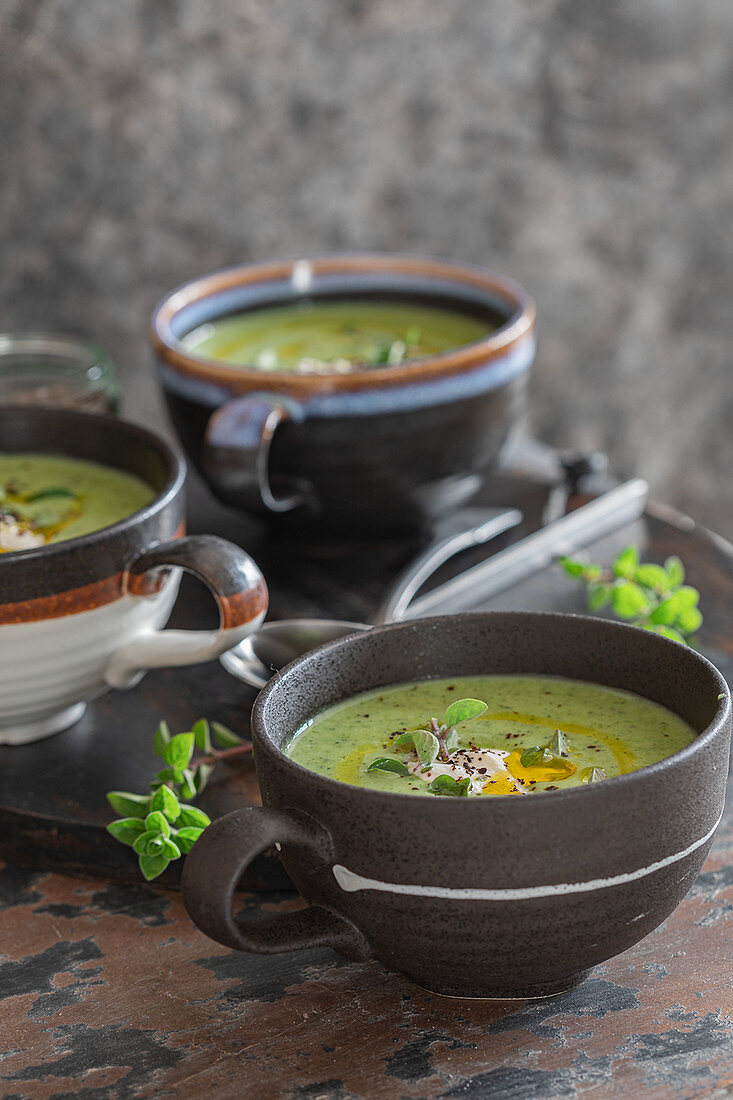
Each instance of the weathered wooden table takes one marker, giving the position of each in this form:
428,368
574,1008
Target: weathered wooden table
108,990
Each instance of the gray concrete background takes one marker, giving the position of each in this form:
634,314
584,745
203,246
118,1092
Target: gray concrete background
584,148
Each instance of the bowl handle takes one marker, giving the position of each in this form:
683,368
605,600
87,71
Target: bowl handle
236,453
235,582
222,853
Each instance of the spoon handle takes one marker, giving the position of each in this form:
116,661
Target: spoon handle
585,524
394,605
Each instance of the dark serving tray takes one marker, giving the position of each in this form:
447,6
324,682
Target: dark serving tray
52,793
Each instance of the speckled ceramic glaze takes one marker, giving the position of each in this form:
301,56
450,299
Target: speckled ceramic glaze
373,451
85,614
492,897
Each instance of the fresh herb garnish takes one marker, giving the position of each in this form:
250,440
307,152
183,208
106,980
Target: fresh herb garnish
653,597
388,764
536,754
52,491
429,745
446,784
157,826
426,745
441,740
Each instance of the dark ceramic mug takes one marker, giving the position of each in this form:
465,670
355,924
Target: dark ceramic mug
489,897
80,616
377,450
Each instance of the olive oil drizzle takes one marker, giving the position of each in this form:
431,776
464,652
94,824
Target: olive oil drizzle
624,759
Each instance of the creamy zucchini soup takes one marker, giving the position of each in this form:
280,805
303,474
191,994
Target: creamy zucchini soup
335,336
487,735
49,498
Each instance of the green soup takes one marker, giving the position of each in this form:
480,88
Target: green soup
334,336
537,733
50,498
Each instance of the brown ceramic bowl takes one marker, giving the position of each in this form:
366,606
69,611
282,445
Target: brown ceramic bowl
485,897
377,451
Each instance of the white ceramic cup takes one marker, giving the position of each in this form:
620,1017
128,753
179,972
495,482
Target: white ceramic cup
81,616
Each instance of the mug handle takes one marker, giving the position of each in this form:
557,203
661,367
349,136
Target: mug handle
216,862
236,454
235,582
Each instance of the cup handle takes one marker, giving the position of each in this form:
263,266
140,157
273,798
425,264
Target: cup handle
236,455
215,864
235,582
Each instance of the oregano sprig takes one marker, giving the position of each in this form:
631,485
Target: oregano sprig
159,826
429,745
653,597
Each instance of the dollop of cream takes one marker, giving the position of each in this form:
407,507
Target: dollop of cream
15,537
483,767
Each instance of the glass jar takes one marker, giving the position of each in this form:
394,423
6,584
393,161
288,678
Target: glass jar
60,371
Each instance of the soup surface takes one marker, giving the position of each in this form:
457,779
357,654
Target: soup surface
537,733
49,498
334,337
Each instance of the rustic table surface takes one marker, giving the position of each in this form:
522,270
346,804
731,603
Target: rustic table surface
108,990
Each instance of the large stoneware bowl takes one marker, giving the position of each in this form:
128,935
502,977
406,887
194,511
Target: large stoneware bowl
374,451
80,616
482,897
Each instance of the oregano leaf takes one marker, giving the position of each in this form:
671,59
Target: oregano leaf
536,754
171,849
52,491
686,596
161,738
126,830
426,746
388,764
652,576
188,784
157,822
665,612
404,741
201,735
463,710
625,563
689,620
192,816
224,737
629,600
141,842
165,801
129,805
201,777
152,866
599,595
179,749
675,571
572,566
448,785
186,838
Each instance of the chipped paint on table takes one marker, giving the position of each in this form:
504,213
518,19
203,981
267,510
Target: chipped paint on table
109,991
